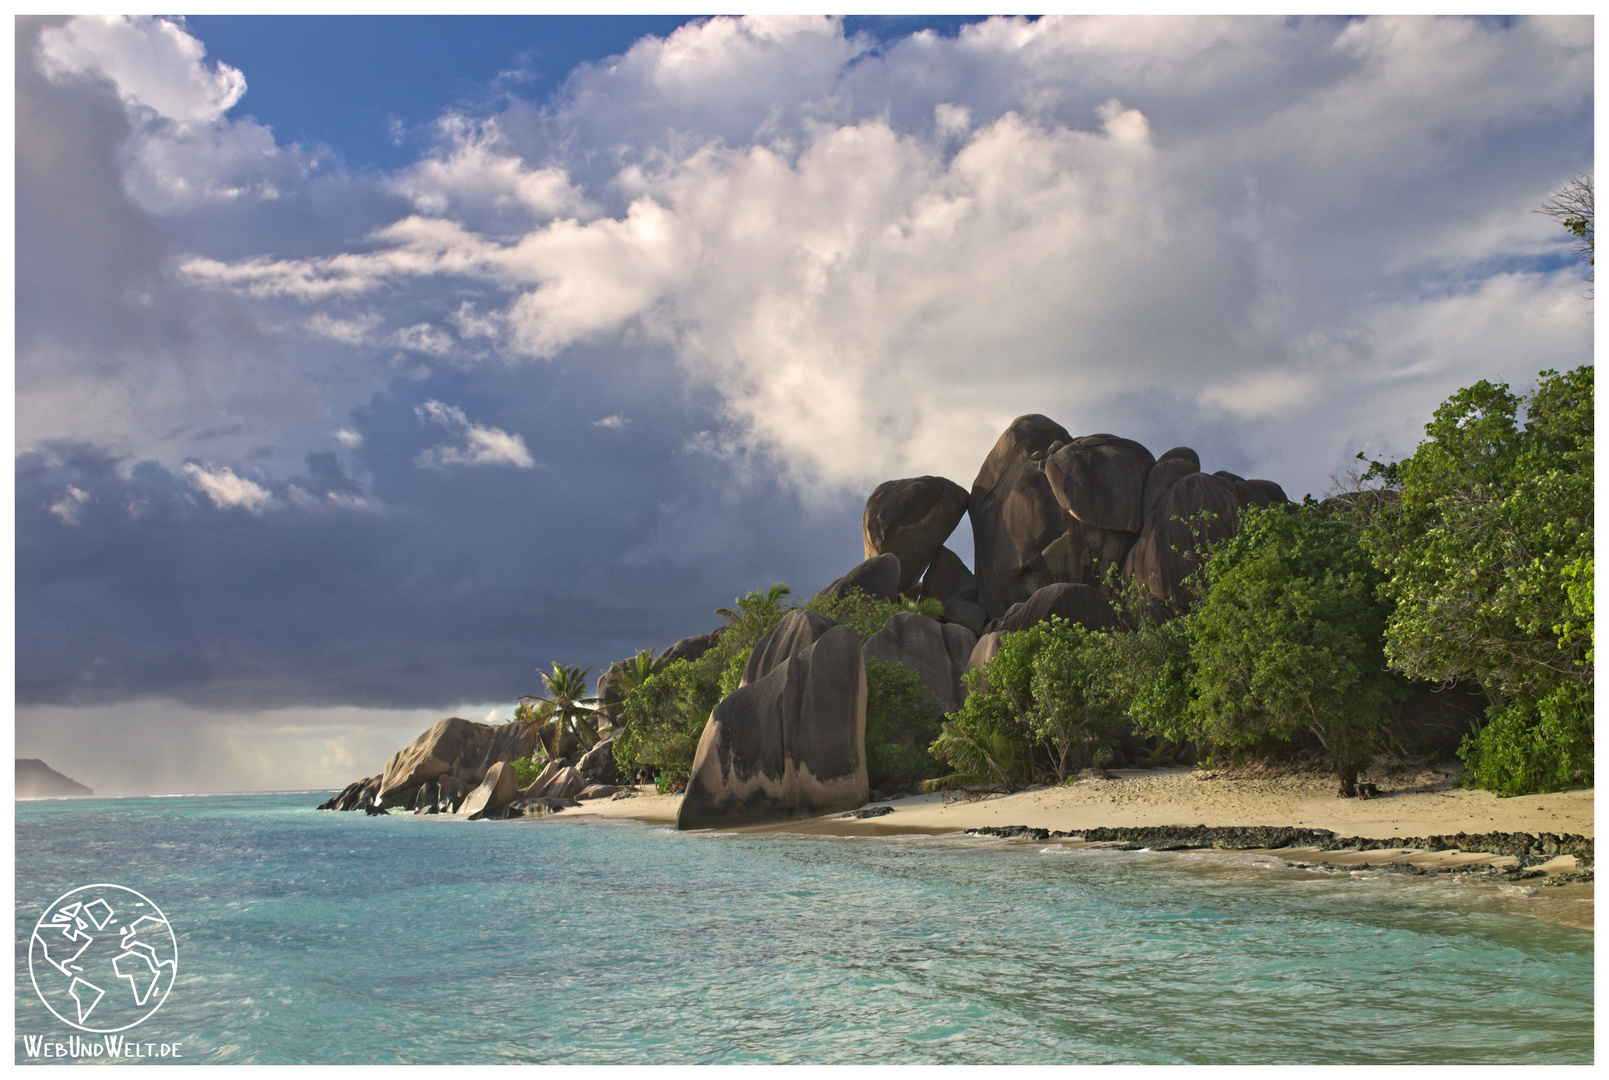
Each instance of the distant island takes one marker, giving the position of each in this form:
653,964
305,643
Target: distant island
36,780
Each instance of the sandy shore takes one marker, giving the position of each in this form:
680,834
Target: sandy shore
1423,804
1411,805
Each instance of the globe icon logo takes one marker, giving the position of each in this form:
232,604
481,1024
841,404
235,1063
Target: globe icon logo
102,958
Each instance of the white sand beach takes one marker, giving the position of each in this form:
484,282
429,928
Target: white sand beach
1412,804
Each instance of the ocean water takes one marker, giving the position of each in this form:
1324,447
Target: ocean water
320,937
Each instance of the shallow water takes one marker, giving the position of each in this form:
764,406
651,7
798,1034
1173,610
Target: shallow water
321,937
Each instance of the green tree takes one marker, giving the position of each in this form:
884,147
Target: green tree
644,665
1147,665
902,720
1290,636
761,605
664,718
565,708
1073,699
1489,559
1043,696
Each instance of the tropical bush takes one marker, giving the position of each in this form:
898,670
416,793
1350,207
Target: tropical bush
902,720
1289,637
527,769
1488,556
664,717
1044,701
865,614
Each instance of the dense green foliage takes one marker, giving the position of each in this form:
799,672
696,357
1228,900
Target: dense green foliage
1044,701
1475,566
866,614
1289,635
1285,638
1488,558
527,769
664,717
902,719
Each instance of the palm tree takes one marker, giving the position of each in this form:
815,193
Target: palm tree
565,704
759,604
643,666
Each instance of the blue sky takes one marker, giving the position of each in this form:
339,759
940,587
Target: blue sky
367,365
393,76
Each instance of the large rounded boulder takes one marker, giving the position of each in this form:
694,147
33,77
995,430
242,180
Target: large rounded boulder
691,648
1197,510
948,578
790,745
496,790
1075,602
1014,511
1100,480
911,519
936,652
793,634
1169,469
878,576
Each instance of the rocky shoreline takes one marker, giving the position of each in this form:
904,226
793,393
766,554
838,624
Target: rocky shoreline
1529,851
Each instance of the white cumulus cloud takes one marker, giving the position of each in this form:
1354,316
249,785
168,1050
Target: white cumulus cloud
227,490
478,445
154,63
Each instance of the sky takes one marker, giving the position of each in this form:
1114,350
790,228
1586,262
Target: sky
367,365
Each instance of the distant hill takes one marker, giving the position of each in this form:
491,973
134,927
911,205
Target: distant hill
36,780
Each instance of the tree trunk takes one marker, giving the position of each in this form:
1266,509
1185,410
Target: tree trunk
1349,782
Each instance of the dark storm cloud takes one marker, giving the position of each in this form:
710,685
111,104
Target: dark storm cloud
415,587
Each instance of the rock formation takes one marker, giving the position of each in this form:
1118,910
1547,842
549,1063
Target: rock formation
598,765
1163,556
1077,603
937,653
691,648
911,519
878,576
793,634
948,578
497,790
558,780
788,745
1014,512
1099,480
966,613
454,749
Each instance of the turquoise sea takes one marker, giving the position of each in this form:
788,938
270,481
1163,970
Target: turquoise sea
321,937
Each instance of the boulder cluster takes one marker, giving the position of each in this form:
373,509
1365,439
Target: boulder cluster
463,767
1052,517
